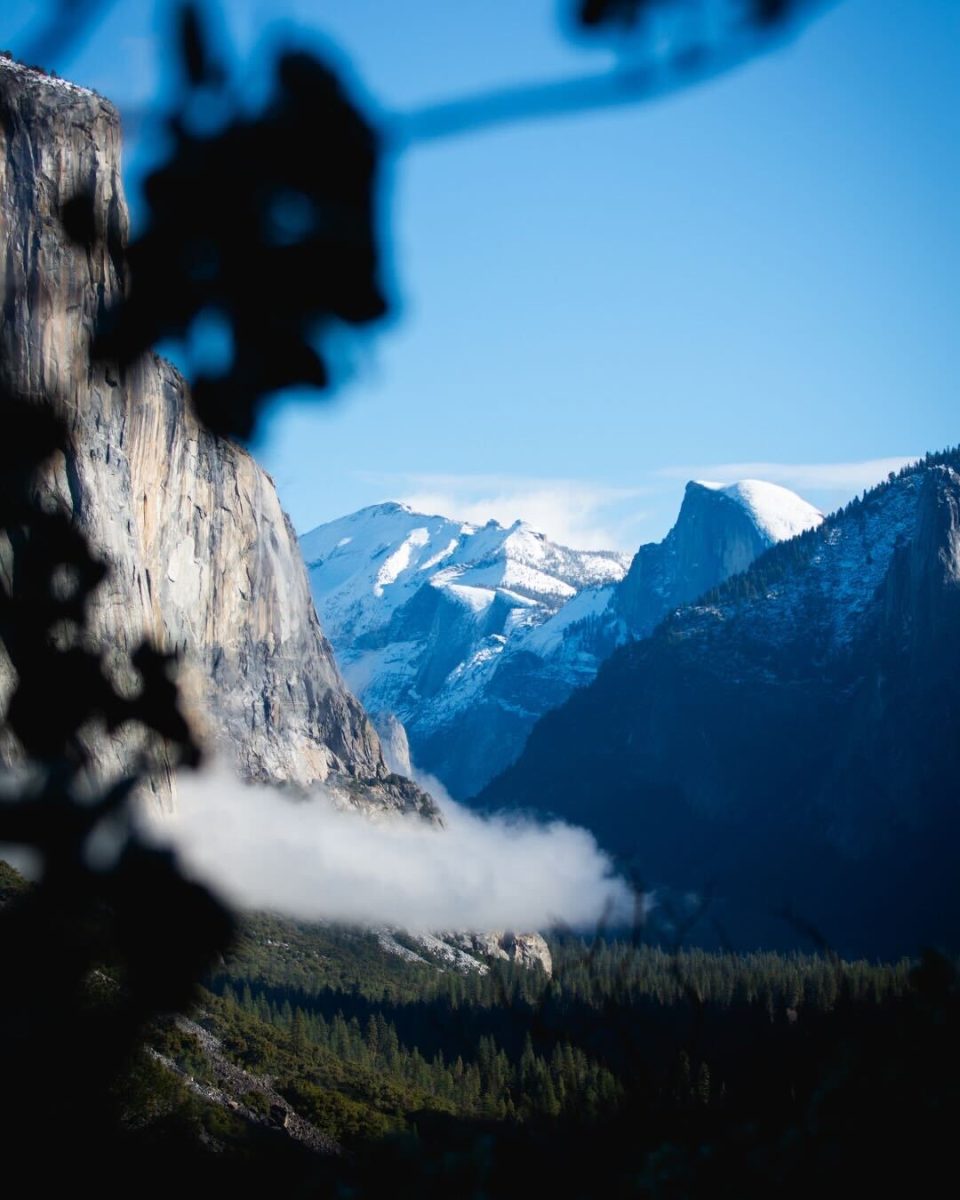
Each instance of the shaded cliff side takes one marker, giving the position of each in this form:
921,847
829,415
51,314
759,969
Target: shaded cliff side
793,738
203,559
469,634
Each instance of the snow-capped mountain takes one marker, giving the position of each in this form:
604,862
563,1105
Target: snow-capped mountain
719,531
420,608
468,634
367,567
792,737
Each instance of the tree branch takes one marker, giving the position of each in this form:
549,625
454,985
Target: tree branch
685,67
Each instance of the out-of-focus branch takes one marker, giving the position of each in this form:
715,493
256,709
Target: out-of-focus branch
693,61
68,22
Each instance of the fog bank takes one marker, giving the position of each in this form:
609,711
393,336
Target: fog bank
306,858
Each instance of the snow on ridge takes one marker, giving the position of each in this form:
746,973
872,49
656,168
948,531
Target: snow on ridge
438,558
837,581
400,559
420,608
476,599
54,81
777,512
547,638
387,551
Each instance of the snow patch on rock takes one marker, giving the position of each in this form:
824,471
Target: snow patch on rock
776,511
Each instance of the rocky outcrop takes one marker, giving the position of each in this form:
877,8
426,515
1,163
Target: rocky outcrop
203,559
393,739
231,1087
790,739
468,952
525,949
719,532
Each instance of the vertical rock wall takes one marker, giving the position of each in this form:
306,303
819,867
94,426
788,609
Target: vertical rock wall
203,559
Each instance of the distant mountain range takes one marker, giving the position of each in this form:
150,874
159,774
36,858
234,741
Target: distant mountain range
420,609
791,740
469,634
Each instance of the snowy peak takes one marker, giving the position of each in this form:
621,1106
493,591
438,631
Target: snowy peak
720,530
419,607
365,565
895,542
469,633
776,512
797,729
368,565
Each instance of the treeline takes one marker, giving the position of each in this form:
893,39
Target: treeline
488,1083
313,964
783,558
597,971
633,1070
614,1021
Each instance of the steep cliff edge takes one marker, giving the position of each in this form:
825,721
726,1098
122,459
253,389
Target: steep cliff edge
203,559
718,533
791,738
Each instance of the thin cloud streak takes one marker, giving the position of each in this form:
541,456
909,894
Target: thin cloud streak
837,476
587,515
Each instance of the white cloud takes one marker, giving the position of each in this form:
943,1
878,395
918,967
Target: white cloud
835,477
593,516
306,858
576,513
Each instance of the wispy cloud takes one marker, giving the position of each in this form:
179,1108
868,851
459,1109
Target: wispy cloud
595,516
830,476
574,512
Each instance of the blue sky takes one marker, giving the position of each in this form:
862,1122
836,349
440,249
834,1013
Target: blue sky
759,276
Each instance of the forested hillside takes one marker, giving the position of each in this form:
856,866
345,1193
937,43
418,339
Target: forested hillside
721,1071
789,743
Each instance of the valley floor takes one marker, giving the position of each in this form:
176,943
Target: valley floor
633,1070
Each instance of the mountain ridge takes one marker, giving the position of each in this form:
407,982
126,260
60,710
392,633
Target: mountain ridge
468,633
792,734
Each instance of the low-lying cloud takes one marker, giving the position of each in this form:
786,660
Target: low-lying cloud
306,858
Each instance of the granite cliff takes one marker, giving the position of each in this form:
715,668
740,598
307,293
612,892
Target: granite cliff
203,559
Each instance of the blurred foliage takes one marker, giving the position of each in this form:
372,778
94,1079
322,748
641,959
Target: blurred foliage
628,15
135,921
262,229
631,1072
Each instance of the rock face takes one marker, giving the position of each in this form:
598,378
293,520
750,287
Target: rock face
469,635
203,559
719,532
793,738
526,949
468,952
396,747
